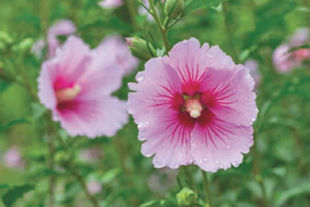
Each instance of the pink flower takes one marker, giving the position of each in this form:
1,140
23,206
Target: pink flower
91,154
94,187
194,106
13,159
62,27
252,65
283,60
118,50
76,85
110,4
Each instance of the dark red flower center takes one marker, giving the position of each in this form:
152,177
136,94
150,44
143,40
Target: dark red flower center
194,108
66,94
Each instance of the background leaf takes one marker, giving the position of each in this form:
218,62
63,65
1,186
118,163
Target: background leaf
10,197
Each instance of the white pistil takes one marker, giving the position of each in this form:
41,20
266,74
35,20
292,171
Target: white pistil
68,94
194,108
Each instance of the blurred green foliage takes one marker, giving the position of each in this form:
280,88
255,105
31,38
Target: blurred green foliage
248,29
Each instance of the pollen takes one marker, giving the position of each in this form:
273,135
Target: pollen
193,107
68,94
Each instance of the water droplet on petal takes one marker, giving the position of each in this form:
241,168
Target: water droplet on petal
205,159
143,124
228,147
216,162
140,76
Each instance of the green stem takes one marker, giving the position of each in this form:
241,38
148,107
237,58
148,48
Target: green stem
229,31
51,162
207,188
257,177
71,167
27,84
44,14
121,153
132,11
162,29
82,182
190,178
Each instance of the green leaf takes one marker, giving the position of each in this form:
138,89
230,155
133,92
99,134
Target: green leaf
4,186
3,86
37,111
303,188
269,17
195,4
10,197
110,175
113,24
12,123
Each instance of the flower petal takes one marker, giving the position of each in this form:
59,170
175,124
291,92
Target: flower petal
95,117
220,144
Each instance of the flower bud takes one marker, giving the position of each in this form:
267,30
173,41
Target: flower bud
140,48
187,197
174,8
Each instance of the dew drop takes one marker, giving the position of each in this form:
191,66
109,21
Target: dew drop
205,159
228,147
140,76
236,163
216,162
143,124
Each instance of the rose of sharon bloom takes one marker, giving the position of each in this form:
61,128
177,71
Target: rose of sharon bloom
117,48
110,4
252,65
13,159
194,106
76,85
285,61
62,27
94,187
